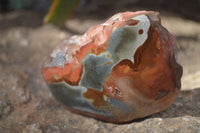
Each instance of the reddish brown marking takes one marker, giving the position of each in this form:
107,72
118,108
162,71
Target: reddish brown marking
112,91
107,63
113,22
132,22
124,67
96,96
122,71
140,31
150,71
71,74
84,50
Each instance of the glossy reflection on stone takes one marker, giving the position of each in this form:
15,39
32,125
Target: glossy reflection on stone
123,69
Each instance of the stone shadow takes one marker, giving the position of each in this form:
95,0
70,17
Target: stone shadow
186,104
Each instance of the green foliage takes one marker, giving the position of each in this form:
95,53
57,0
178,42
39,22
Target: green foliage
60,11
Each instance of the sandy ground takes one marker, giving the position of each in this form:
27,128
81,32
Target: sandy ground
26,104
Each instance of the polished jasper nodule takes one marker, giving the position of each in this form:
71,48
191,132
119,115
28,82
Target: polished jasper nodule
123,69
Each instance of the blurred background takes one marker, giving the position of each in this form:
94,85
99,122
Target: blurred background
30,29
189,9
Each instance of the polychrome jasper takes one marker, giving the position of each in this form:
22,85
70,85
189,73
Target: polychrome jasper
123,69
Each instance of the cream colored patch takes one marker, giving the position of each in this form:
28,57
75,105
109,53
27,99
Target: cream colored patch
125,41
